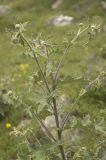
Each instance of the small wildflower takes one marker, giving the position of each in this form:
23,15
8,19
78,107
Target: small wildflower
24,67
13,79
8,125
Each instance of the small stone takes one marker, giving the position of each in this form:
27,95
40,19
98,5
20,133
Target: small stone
103,4
50,123
17,26
70,136
4,9
24,123
60,20
56,4
63,100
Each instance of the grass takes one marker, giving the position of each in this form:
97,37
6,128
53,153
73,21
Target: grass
76,64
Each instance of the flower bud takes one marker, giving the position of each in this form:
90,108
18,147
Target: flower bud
17,26
81,24
10,93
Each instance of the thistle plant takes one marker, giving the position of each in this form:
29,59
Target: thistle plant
47,78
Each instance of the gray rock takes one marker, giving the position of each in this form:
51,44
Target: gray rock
72,135
50,123
4,9
56,4
24,123
63,103
60,20
103,3
68,135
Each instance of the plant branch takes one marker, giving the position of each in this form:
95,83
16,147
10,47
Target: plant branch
66,50
46,129
37,62
80,95
59,131
68,114
56,115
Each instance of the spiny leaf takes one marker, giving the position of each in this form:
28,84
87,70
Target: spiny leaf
86,120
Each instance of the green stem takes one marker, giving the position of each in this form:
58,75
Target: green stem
46,129
59,131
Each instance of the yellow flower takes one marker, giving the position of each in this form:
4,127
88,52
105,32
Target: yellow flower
23,67
8,125
13,79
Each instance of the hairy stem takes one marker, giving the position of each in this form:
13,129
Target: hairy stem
46,129
59,131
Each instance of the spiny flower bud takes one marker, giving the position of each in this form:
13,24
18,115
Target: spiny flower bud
10,93
81,24
17,26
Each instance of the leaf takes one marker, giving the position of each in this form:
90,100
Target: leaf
73,121
2,112
100,125
41,102
100,153
21,41
86,120
28,54
41,106
100,129
23,26
40,155
82,92
29,113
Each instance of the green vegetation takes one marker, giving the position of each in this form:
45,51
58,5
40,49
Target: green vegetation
82,61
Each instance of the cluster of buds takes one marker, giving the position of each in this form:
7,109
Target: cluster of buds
16,37
95,28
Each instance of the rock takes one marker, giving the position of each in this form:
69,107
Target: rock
68,135
49,122
24,123
63,100
103,4
72,135
56,4
4,9
63,103
60,20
